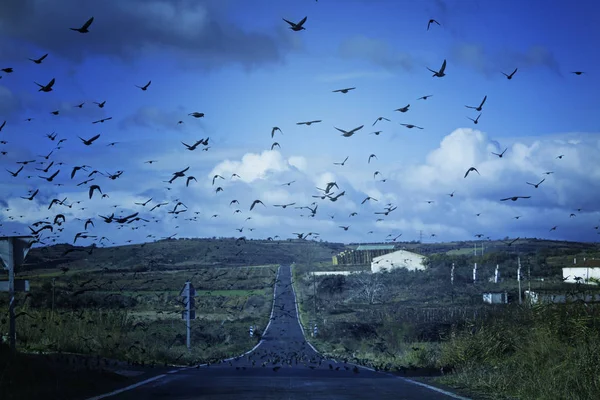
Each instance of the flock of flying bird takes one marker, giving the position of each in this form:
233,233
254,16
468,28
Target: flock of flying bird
49,168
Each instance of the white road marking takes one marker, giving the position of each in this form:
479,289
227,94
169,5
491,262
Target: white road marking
113,393
268,324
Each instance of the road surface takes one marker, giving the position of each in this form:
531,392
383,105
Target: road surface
282,366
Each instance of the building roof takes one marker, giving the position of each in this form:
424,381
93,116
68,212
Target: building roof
375,247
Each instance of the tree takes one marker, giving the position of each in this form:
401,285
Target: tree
370,287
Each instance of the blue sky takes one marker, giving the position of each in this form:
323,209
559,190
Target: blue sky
241,65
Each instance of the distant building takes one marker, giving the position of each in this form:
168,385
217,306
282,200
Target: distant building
560,298
362,255
589,275
495,298
398,259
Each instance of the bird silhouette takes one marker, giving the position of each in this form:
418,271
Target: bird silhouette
296,26
84,27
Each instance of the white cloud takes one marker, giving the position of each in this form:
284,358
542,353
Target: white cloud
574,184
253,166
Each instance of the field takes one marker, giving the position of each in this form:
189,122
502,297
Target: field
119,307
91,314
418,324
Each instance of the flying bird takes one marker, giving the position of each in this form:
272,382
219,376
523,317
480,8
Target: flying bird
403,109
341,163
349,133
145,87
501,154
190,178
432,21
425,97
84,28
515,198
92,188
46,88
255,202
102,120
480,107
296,26
476,120
196,114
536,185
441,73
346,90
380,119
471,169
308,123
89,142
509,77
410,126
275,128
39,60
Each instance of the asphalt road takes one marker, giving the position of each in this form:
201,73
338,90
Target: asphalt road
282,366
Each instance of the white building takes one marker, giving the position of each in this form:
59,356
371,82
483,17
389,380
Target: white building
398,259
570,274
495,298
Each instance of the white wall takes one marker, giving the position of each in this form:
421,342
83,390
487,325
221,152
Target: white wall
398,259
584,272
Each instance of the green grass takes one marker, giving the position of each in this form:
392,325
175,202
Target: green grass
460,252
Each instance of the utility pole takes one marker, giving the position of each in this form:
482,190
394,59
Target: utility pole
519,278
53,292
452,281
529,277
421,236
188,292
10,264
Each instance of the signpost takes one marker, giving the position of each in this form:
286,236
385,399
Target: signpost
13,250
188,292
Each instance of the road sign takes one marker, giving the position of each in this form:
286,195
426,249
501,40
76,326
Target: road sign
20,286
20,248
13,250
